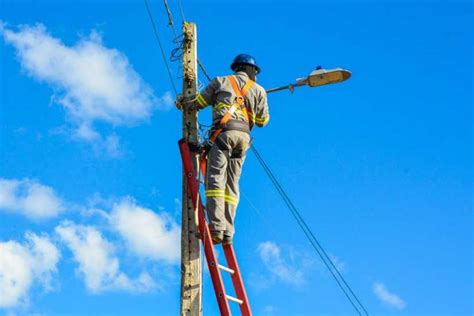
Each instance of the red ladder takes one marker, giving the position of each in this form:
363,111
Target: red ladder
214,267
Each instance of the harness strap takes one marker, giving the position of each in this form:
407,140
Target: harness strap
234,85
240,102
248,85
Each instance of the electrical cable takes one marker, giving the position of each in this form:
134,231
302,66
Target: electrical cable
170,18
157,36
180,4
204,70
176,53
311,237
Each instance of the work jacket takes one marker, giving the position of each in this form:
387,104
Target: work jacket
221,95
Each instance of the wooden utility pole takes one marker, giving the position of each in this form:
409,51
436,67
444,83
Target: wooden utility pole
191,287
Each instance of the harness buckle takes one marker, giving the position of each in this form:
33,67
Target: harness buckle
240,101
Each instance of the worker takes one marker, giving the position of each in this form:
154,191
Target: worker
245,103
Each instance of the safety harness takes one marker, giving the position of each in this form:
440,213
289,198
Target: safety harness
226,122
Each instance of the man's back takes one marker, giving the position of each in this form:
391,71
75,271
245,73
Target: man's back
221,95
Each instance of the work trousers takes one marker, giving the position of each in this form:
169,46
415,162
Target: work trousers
224,167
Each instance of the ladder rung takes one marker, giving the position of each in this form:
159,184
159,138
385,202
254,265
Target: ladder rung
231,298
226,269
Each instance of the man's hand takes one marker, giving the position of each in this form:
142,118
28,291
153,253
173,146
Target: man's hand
181,101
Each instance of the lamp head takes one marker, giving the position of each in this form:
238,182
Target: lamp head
320,76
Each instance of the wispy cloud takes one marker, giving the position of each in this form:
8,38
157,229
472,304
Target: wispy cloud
92,82
25,264
338,263
97,260
147,234
269,309
281,267
29,198
387,297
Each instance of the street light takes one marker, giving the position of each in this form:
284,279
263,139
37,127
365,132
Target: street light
316,78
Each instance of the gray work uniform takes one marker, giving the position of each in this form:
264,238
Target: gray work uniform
227,155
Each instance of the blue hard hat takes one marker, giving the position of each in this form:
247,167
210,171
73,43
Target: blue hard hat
244,59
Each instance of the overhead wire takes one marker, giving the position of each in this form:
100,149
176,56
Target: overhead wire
170,18
204,71
177,52
328,262
157,36
180,4
174,52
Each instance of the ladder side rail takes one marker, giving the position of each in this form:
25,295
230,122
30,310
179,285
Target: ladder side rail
211,258
237,280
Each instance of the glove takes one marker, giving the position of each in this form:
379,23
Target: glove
179,101
182,100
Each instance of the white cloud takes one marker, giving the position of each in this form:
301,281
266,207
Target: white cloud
22,265
338,263
270,309
29,198
92,82
147,234
388,298
280,267
167,100
97,261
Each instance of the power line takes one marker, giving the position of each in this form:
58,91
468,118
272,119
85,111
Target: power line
174,53
170,18
157,36
180,4
311,237
204,70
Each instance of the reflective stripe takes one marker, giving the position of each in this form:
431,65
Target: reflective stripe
221,193
215,191
222,105
252,117
202,102
208,195
263,120
231,200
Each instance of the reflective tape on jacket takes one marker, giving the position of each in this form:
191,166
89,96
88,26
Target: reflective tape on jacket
262,120
222,105
202,102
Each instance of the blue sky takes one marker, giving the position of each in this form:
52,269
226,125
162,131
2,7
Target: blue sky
380,166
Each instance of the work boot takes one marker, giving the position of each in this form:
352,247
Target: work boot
216,237
227,240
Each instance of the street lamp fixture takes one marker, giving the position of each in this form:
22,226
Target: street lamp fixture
316,78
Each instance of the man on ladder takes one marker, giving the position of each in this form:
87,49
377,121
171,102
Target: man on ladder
238,103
